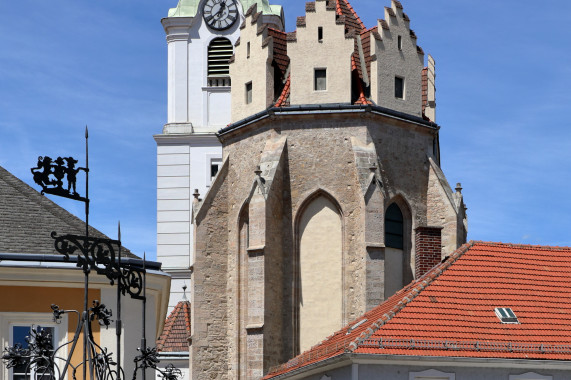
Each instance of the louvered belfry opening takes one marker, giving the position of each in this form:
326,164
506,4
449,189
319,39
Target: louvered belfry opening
220,51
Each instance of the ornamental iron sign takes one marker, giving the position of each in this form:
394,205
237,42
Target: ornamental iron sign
94,255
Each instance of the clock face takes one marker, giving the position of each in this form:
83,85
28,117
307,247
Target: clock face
220,14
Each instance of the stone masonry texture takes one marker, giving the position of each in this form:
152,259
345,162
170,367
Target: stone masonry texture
245,288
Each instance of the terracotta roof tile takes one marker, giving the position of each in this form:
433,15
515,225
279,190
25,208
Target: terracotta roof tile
292,37
450,310
390,12
310,6
280,48
283,100
405,17
384,24
352,20
176,332
424,89
398,4
300,21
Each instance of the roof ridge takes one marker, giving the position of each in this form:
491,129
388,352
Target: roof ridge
417,287
284,33
521,245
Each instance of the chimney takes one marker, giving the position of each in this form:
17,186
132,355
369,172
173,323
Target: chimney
428,249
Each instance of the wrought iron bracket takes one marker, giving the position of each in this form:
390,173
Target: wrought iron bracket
102,256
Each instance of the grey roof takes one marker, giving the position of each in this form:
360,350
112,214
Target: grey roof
28,218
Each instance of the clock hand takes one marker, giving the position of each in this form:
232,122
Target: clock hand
220,11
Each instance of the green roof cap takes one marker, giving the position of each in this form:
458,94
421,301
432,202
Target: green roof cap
185,8
189,8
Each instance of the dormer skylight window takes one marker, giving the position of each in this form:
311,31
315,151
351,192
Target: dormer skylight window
506,315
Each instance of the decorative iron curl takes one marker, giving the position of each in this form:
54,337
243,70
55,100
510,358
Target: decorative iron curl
170,373
102,314
15,356
99,255
132,282
149,358
57,313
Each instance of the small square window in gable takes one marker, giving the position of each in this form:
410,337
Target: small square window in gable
320,82
399,88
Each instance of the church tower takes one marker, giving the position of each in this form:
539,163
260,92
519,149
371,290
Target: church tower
200,35
330,196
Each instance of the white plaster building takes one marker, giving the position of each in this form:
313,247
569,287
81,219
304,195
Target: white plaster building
201,35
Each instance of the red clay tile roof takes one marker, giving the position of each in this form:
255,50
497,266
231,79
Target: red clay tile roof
310,6
283,100
352,20
280,48
450,310
176,332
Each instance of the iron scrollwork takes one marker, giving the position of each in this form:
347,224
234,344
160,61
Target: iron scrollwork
50,174
149,359
100,255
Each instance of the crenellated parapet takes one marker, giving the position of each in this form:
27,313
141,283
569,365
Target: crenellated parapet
258,66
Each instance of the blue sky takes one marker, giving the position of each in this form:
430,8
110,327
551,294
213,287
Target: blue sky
503,98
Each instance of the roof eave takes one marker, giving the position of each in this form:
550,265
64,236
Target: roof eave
346,359
329,109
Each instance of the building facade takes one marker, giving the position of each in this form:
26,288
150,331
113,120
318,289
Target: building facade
33,277
200,37
504,321
329,197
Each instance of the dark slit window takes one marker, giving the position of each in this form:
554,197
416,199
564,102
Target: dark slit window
394,227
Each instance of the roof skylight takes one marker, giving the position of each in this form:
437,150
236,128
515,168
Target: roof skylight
506,315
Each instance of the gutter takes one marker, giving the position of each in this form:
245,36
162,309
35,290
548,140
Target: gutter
333,108
39,259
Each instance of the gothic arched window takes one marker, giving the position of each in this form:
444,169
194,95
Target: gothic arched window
220,51
394,227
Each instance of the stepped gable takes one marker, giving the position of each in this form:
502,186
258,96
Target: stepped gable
363,54
27,219
176,332
451,310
